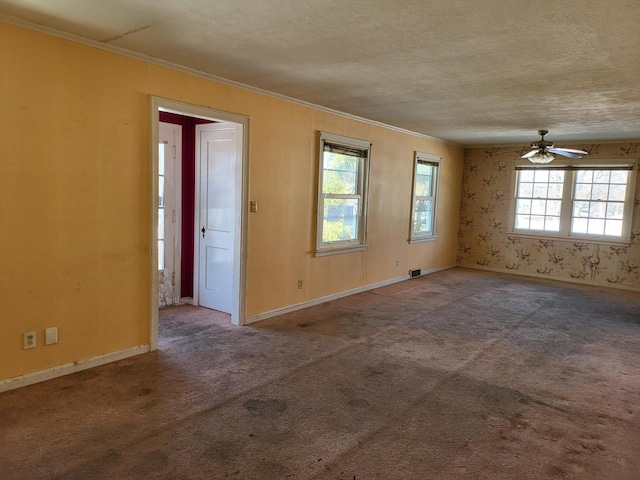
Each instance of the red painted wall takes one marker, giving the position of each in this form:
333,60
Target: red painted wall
188,194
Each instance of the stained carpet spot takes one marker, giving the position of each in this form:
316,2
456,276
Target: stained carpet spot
358,403
221,451
269,408
155,460
305,325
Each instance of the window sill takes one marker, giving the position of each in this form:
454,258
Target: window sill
430,238
561,238
339,250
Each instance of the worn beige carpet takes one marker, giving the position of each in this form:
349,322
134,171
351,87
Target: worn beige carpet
456,375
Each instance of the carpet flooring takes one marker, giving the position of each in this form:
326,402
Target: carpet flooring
460,374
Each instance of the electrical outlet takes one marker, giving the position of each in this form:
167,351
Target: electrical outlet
29,340
300,284
397,263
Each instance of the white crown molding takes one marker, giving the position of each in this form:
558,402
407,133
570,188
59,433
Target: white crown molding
191,71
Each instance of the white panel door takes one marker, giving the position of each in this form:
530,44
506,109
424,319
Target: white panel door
219,161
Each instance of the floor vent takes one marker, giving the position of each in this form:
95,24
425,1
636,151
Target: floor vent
415,273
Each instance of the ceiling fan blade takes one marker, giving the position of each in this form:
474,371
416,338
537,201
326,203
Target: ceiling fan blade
564,153
530,154
570,150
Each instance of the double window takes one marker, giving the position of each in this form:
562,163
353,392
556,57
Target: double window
587,199
425,188
342,194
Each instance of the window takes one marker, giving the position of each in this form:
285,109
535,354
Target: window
161,178
586,199
425,189
342,191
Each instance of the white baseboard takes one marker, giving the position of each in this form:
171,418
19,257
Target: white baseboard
549,277
59,371
335,296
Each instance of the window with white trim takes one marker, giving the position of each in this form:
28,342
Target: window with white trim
590,200
426,173
342,194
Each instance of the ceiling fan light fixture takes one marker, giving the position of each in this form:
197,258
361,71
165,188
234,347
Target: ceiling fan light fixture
541,156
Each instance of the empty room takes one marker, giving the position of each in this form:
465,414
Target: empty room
319,240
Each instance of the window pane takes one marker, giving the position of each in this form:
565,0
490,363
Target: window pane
615,210
580,209
583,191
584,176
617,192
538,207
579,225
161,148
540,190
601,176
423,214
340,221
161,191
552,224
555,190
424,176
340,174
523,206
596,227
597,210
554,207
619,177
160,254
613,227
556,176
525,176
522,222
537,222
161,223
541,175
525,190
600,191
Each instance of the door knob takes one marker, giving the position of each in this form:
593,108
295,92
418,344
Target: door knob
203,230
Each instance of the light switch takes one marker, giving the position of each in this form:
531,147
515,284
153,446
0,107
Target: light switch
253,206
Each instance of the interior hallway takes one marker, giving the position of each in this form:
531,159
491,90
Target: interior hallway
456,375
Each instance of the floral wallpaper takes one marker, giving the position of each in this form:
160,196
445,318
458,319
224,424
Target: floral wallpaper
485,243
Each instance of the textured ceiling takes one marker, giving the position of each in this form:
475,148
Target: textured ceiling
475,73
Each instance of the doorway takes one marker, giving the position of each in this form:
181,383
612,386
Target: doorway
218,238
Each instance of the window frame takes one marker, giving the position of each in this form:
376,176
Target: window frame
571,169
161,206
363,166
435,161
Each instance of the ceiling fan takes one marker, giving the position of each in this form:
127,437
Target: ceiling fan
542,151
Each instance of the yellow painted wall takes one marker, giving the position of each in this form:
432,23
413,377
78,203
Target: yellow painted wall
75,198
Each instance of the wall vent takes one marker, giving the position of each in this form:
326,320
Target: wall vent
415,272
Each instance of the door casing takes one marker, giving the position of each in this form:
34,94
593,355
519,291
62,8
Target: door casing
242,184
